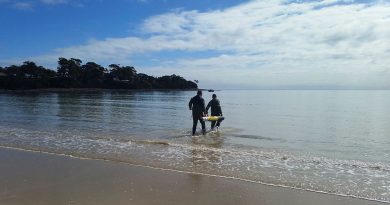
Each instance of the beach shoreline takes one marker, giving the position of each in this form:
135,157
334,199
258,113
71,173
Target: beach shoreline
40,178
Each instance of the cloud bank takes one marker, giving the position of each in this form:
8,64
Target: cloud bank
260,44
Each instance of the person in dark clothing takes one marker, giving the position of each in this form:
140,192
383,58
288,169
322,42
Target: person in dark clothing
215,110
197,106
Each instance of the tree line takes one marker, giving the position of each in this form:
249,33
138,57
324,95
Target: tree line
72,73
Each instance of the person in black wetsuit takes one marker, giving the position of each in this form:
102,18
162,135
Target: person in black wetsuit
215,110
197,106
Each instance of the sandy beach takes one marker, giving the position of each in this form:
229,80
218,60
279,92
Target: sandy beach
39,178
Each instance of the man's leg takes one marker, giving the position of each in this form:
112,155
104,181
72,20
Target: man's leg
219,123
194,124
203,126
212,124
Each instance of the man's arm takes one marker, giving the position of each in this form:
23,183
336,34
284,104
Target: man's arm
203,106
208,106
190,103
219,107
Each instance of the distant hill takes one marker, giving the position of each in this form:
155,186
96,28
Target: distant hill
71,73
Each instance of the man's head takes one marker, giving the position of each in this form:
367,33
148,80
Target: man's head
199,93
214,96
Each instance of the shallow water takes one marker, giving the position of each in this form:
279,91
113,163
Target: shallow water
328,141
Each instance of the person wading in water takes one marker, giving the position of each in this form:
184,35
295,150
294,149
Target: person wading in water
197,106
215,110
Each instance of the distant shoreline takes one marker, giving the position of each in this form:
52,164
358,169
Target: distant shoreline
89,89
71,73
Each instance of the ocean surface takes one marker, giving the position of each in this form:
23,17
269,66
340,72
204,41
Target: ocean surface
335,142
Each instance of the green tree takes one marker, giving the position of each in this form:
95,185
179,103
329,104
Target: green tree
69,68
2,72
14,71
31,70
92,73
123,73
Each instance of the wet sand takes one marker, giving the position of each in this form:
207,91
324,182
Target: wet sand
47,179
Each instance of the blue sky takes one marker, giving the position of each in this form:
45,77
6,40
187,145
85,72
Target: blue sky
38,27
222,43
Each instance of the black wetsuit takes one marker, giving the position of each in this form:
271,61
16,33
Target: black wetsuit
197,106
215,111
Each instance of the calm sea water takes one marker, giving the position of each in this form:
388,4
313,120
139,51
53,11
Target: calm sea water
336,142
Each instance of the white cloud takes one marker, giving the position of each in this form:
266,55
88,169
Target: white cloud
54,2
22,5
29,5
263,43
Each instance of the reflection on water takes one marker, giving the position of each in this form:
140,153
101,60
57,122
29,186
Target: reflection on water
338,124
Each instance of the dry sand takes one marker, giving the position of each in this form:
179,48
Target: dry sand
46,179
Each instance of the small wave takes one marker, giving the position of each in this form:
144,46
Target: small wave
192,172
150,142
258,137
210,155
